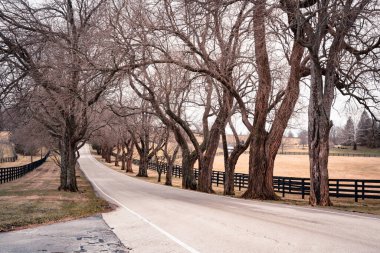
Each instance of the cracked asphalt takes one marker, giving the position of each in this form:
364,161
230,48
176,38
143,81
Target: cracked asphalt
90,234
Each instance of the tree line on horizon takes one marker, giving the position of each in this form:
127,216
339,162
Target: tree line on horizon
144,75
366,133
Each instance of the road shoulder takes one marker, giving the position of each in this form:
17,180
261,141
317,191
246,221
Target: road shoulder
83,235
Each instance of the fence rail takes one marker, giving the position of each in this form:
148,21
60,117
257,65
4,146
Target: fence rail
12,173
331,154
306,153
340,188
8,159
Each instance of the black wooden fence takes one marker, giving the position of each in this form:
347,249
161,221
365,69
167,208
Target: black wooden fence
12,173
340,188
330,154
306,153
8,159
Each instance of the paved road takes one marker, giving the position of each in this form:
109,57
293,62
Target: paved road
175,220
83,235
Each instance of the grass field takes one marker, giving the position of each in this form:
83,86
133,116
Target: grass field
21,160
343,150
342,167
367,206
298,166
34,199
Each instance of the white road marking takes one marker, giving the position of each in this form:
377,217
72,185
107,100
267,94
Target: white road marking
170,236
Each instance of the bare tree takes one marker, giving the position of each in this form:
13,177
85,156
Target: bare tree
265,144
60,50
210,47
332,32
170,154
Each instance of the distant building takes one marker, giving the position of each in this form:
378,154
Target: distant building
230,148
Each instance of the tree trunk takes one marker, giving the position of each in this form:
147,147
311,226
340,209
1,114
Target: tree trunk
230,160
64,164
68,162
109,154
71,171
117,155
169,172
204,177
206,163
143,166
123,157
229,186
129,157
319,178
319,130
188,179
159,172
129,164
264,146
260,184
104,152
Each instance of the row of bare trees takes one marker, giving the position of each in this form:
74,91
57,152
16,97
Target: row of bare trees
176,76
58,58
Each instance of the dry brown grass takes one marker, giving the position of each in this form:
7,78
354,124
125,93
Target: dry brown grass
34,199
4,135
298,166
6,150
21,160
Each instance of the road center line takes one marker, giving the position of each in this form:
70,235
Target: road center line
170,236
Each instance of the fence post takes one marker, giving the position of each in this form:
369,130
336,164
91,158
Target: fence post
363,190
337,188
239,182
283,187
303,188
217,178
356,190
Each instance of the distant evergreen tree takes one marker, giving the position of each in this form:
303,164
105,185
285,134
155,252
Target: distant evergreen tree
365,131
349,133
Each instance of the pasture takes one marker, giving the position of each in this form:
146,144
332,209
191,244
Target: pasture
298,166
21,160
